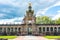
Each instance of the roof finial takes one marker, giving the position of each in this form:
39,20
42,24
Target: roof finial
30,4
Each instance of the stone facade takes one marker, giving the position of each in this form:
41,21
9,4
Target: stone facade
37,29
29,27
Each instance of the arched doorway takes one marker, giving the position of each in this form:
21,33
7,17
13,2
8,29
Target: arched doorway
29,31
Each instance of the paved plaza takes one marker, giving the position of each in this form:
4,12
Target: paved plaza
30,38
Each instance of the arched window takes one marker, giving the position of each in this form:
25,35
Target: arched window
43,29
51,29
39,29
15,29
55,28
47,28
59,29
4,29
0,29
8,29
19,29
11,29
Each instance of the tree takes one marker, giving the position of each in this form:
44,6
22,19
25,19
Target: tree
57,21
43,20
38,20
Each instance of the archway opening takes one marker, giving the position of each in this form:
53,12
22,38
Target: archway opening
29,31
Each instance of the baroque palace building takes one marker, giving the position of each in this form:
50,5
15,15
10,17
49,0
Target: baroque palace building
29,27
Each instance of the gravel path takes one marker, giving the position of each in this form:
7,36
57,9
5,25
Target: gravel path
30,38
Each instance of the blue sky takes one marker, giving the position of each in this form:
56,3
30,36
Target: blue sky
13,11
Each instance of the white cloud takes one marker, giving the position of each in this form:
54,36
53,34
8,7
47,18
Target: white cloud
5,1
23,3
44,10
58,11
5,10
48,1
56,16
40,12
11,21
2,15
58,3
9,2
13,3
18,4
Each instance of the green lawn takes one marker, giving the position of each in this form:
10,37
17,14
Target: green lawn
52,37
8,37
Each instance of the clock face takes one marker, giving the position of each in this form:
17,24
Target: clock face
29,21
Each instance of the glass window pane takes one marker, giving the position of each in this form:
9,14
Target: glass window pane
59,29
47,28
43,28
51,28
39,29
0,29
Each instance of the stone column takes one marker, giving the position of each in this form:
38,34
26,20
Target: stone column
42,29
17,29
53,29
13,29
49,29
38,29
57,29
6,30
10,29
2,29
45,29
